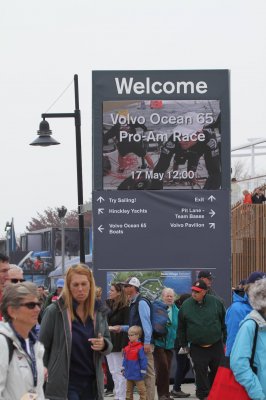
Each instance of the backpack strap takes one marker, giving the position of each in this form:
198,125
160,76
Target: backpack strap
254,369
10,348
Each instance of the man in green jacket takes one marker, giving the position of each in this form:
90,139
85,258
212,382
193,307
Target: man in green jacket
201,326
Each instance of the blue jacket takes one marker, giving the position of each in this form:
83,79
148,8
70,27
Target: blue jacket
238,310
255,384
134,362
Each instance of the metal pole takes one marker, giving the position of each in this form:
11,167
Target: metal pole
79,171
63,245
253,160
7,243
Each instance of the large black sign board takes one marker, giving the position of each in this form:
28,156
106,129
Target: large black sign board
162,231
161,177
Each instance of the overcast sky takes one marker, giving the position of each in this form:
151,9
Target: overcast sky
44,43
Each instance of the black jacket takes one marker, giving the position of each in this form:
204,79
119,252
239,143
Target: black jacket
118,317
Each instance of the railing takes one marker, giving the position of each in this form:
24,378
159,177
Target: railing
248,240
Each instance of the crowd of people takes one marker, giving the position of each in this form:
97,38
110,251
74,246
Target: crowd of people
255,197
78,332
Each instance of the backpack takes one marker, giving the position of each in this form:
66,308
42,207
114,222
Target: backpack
159,317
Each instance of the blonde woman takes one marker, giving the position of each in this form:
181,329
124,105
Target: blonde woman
75,335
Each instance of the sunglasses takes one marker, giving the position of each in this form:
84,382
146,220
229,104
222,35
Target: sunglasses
31,305
14,280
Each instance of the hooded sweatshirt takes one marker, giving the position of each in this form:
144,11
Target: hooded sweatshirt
234,315
255,384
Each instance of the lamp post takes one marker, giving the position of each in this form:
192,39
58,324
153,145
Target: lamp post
61,215
7,229
45,139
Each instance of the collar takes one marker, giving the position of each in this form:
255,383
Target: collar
32,336
134,298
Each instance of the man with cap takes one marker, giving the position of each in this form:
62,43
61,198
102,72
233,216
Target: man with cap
201,326
54,295
207,277
239,309
140,315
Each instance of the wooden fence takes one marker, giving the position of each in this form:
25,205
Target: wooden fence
248,240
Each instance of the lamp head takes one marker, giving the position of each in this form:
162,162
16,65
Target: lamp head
61,212
44,138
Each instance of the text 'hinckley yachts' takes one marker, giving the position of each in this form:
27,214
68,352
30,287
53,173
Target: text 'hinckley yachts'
131,211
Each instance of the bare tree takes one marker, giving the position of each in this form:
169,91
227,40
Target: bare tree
49,218
240,170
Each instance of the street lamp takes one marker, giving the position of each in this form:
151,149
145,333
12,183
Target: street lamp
45,139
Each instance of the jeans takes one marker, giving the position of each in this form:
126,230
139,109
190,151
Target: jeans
80,393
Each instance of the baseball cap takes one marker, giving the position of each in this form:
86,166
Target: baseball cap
205,274
199,285
132,281
60,283
256,276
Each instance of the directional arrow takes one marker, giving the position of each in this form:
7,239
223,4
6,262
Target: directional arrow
211,225
100,228
211,198
100,210
100,199
212,213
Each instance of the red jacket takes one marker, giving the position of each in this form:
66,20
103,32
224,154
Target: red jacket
247,199
134,361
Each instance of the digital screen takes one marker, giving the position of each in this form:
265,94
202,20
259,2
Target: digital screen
161,144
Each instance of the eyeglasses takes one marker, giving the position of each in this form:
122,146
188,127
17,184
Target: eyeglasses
31,305
14,280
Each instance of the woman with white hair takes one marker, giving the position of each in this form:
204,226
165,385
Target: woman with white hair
163,351
253,382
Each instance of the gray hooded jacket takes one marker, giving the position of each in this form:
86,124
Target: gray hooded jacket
55,334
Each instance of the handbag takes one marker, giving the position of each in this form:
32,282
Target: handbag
225,385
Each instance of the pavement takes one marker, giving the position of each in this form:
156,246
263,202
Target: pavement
186,387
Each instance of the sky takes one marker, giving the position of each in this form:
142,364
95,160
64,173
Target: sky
44,43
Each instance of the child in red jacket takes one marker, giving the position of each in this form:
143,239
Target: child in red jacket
134,363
